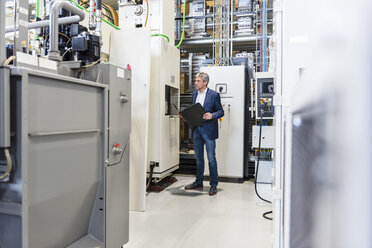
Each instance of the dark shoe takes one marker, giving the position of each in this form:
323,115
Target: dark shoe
194,186
213,190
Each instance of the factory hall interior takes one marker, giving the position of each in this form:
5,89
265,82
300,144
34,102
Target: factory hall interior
185,124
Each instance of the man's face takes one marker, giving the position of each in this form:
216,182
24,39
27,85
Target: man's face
199,84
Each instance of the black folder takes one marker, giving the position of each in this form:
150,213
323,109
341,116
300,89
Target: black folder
193,115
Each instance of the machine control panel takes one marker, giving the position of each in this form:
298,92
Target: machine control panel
264,95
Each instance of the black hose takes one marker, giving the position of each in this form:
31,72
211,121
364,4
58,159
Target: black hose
258,164
152,166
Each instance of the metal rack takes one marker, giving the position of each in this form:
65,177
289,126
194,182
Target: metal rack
233,36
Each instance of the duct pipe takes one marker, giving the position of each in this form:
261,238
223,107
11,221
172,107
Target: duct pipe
42,24
210,40
53,53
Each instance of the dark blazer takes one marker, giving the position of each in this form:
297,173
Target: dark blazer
212,104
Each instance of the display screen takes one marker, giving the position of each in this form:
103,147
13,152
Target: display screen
267,87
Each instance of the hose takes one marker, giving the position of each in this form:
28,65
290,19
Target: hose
183,25
258,165
9,163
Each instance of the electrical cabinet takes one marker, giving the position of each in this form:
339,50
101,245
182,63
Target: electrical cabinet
230,83
267,136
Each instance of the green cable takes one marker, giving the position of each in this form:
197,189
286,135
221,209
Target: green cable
38,8
80,7
183,25
162,35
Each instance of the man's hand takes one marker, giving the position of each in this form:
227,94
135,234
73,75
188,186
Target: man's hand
207,116
179,115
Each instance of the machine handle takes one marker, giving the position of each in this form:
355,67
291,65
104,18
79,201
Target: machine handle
123,98
116,149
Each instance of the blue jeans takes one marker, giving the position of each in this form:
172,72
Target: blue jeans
200,138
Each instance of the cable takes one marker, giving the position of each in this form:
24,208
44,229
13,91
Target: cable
9,165
8,60
147,12
65,36
122,154
69,39
114,14
38,8
90,65
183,25
258,164
162,35
66,52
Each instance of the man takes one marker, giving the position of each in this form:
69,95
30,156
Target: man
207,133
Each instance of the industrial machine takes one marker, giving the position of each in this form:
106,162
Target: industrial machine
163,121
263,135
230,82
64,137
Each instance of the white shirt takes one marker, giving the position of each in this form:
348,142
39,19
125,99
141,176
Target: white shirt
201,97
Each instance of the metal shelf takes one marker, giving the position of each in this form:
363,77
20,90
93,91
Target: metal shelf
237,13
191,42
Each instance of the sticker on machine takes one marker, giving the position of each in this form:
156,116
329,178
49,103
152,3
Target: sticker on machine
120,72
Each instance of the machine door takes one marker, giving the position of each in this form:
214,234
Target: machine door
117,171
119,113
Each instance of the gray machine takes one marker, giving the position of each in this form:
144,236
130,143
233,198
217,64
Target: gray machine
69,145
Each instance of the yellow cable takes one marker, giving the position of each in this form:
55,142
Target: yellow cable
147,12
90,65
65,36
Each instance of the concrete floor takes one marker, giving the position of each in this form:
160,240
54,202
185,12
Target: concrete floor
176,218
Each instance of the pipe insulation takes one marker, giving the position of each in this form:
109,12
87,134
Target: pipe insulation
54,53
